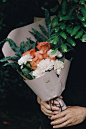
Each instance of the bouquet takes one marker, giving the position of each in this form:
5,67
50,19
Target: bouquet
41,64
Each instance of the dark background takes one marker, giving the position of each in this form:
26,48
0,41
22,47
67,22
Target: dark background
16,105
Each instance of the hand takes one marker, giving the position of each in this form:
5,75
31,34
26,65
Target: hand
45,107
71,116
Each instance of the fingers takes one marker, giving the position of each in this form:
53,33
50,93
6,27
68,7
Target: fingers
60,120
48,107
54,102
60,97
64,124
59,115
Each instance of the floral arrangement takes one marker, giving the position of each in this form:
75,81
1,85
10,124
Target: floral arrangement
35,62
33,59
42,59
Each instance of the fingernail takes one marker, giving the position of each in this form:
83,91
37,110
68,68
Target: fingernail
55,112
54,127
57,108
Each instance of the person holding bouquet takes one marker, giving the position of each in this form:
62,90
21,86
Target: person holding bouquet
74,96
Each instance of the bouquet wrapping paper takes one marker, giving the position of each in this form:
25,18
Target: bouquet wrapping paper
50,85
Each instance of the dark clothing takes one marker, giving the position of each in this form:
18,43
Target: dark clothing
75,92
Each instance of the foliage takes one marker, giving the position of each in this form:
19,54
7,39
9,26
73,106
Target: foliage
69,23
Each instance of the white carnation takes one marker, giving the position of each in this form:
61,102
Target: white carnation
45,65
58,66
24,59
58,53
38,73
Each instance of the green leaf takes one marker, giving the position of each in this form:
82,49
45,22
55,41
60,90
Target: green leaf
19,53
56,39
63,35
13,45
33,45
27,46
71,41
47,20
26,72
3,41
36,37
31,41
79,34
66,17
55,20
9,58
55,34
31,73
71,10
22,47
71,59
69,30
54,51
28,65
75,1
83,10
75,30
64,47
14,65
52,41
84,23
55,8
84,37
56,29
82,1
69,45
39,35
60,15
63,26
43,30
81,18
61,60
4,0
64,6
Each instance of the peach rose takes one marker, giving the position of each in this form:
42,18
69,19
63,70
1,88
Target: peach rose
31,52
51,58
44,46
34,63
40,55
